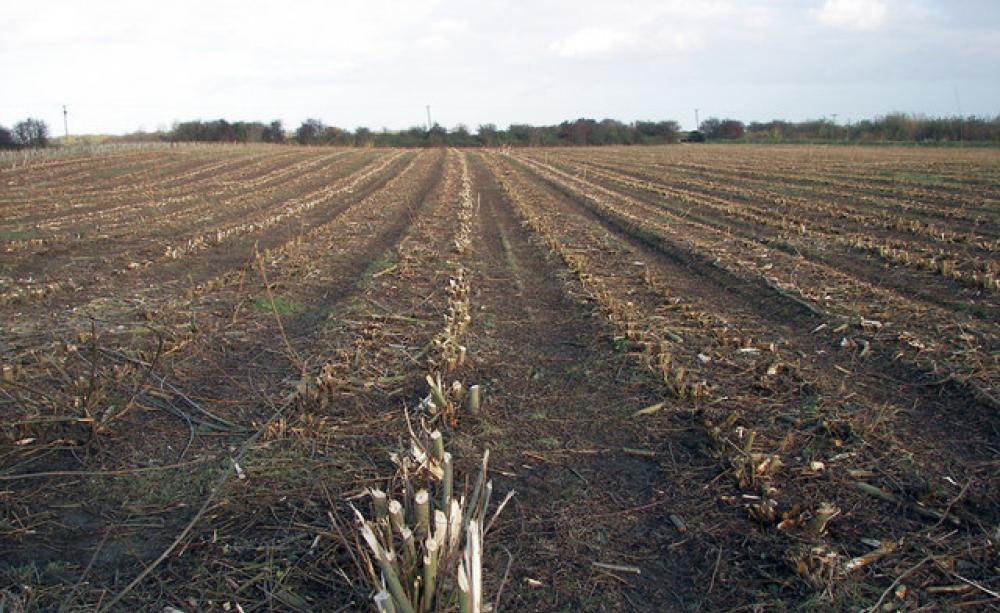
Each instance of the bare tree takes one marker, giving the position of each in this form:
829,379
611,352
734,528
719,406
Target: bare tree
31,133
7,139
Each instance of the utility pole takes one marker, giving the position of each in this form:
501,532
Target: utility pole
961,117
65,121
428,118
697,124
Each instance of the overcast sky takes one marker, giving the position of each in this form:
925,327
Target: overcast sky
121,65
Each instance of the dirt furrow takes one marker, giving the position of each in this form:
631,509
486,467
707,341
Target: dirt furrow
593,484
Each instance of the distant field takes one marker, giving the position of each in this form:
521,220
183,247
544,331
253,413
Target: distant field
757,374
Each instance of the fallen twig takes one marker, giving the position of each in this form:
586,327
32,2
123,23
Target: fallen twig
621,568
99,473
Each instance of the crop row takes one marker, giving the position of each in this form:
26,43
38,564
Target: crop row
806,210
188,315
782,478
206,195
289,209
794,183
31,289
958,265
924,333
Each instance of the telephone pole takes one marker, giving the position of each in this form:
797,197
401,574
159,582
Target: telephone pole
65,121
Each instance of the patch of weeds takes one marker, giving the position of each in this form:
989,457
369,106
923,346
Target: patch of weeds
377,265
538,415
291,466
810,410
139,491
876,423
842,596
280,306
508,252
17,235
113,172
489,430
549,442
787,247
809,452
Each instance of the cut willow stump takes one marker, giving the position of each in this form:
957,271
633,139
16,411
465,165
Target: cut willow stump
474,399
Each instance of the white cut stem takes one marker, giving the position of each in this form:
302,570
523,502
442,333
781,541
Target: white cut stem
423,512
474,399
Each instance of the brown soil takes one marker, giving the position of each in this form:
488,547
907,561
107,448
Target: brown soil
296,352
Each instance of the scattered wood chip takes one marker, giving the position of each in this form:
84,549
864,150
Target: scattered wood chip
678,523
653,408
634,570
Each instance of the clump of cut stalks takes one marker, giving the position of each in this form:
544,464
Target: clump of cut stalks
810,557
463,237
733,446
423,551
973,272
820,565
450,352
676,379
442,402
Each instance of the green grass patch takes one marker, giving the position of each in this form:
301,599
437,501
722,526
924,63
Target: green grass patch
384,261
280,306
18,235
141,492
787,247
549,442
577,372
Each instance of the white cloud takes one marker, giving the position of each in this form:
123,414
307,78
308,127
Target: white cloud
853,14
652,28
121,63
759,17
591,42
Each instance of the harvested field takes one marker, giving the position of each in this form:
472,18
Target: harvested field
715,377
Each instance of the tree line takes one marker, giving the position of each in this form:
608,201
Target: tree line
894,127
315,132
